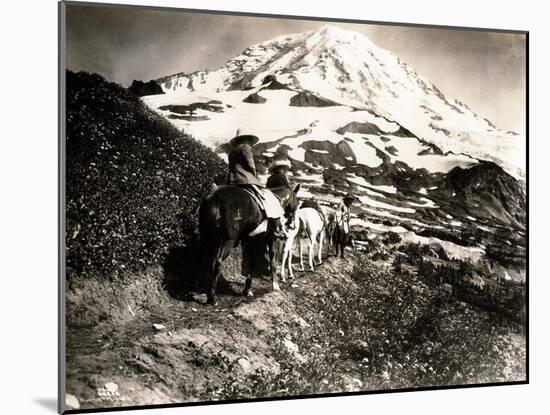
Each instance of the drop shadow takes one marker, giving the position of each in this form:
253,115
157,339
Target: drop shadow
49,403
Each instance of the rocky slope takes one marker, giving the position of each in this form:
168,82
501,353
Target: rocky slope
353,117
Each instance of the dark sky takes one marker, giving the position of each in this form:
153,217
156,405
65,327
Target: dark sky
485,70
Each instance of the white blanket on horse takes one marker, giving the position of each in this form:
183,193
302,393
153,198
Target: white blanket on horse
268,202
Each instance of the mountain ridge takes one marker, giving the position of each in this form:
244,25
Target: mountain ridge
293,92
346,67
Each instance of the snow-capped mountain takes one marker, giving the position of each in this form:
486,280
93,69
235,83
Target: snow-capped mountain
352,117
347,68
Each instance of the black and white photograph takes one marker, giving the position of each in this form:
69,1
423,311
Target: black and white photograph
262,207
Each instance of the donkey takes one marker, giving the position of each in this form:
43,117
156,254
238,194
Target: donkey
228,216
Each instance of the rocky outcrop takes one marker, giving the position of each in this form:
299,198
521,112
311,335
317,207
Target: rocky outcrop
254,98
308,99
271,82
141,88
487,191
189,110
360,128
328,154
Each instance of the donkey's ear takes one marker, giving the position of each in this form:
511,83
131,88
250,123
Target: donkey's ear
297,188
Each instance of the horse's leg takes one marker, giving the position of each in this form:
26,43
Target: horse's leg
300,252
247,271
221,255
310,252
209,253
321,239
289,254
274,248
283,262
247,292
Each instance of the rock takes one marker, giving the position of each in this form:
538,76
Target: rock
303,323
71,401
244,363
308,99
159,326
111,387
254,99
96,381
290,347
360,348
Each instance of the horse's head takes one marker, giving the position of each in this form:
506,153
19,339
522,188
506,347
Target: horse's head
289,202
292,205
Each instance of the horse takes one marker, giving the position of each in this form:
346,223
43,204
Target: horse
312,223
309,221
228,216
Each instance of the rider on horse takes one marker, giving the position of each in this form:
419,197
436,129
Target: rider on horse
278,169
242,172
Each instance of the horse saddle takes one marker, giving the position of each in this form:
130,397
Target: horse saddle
255,195
308,203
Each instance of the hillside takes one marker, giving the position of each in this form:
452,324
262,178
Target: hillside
421,302
134,181
351,326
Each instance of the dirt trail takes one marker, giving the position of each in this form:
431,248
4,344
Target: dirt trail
352,325
199,348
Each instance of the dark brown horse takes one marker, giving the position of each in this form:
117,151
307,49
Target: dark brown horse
227,217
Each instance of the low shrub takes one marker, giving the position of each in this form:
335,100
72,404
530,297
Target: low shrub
133,181
383,331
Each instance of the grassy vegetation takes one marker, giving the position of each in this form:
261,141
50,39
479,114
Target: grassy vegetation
134,182
384,331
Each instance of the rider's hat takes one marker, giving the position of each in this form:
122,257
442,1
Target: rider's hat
243,138
279,162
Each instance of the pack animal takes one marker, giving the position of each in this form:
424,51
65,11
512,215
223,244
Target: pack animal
311,223
228,216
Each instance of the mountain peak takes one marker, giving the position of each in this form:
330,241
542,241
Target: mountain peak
330,30
347,68
329,34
